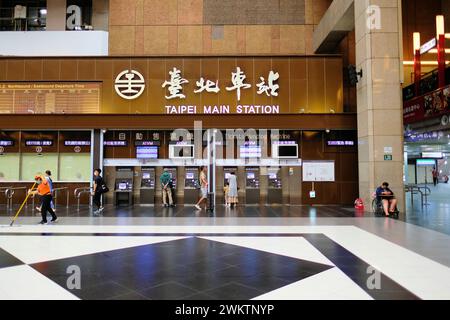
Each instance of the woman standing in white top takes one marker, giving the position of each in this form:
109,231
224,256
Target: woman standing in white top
203,187
233,190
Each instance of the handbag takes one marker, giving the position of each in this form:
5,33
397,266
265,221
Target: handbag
104,188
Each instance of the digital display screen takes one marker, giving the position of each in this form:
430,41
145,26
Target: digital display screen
250,151
123,186
287,151
147,143
273,176
227,175
39,143
69,143
119,143
340,143
425,162
147,152
285,142
432,155
6,143
189,175
146,175
250,175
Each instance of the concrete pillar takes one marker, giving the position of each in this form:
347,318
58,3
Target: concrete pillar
56,15
379,99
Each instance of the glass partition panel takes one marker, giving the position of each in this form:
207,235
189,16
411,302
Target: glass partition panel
32,164
9,167
75,167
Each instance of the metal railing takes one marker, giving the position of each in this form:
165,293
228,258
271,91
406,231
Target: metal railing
414,189
33,203
9,194
56,192
3,189
79,192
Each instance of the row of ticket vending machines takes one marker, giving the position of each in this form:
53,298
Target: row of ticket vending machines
143,186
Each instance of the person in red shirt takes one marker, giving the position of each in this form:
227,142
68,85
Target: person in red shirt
435,175
44,191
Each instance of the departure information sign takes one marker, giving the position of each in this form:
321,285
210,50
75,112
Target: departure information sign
36,97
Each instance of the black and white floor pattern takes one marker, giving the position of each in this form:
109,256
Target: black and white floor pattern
213,262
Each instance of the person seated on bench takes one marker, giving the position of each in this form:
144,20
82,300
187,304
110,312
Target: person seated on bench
387,198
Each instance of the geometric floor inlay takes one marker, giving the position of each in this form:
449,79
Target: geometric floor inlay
190,268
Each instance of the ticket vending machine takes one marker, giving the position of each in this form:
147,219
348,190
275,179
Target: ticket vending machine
173,175
252,191
191,193
274,192
123,191
147,191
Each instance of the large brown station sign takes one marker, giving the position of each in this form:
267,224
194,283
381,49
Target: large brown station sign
222,85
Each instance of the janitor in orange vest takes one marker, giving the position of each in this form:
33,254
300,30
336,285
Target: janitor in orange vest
43,190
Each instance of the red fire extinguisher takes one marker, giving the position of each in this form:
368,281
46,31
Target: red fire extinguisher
359,204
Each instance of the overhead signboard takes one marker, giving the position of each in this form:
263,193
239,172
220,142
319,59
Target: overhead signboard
345,143
432,155
6,143
432,105
425,162
73,143
115,143
39,143
428,46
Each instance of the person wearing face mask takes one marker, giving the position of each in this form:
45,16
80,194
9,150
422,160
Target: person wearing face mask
44,191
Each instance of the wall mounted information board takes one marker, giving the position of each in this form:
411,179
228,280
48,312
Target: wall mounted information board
321,171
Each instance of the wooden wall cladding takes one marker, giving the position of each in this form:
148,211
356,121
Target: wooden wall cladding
57,138
308,84
344,190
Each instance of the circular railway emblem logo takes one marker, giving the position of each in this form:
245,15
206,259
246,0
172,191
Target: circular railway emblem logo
38,149
2,150
129,84
77,149
444,121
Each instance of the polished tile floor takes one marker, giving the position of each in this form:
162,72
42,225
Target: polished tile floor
269,252
328,259
435,215
220,211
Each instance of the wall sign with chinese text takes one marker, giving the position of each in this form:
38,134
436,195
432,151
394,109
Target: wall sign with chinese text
115,143
6,143
70,143
39,143
340,143
130,84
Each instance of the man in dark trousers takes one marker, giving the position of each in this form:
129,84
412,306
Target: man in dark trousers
435,175
44,191
98,190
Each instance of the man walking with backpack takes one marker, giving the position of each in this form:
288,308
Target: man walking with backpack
99,189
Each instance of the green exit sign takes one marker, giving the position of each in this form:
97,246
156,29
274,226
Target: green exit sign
388,157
